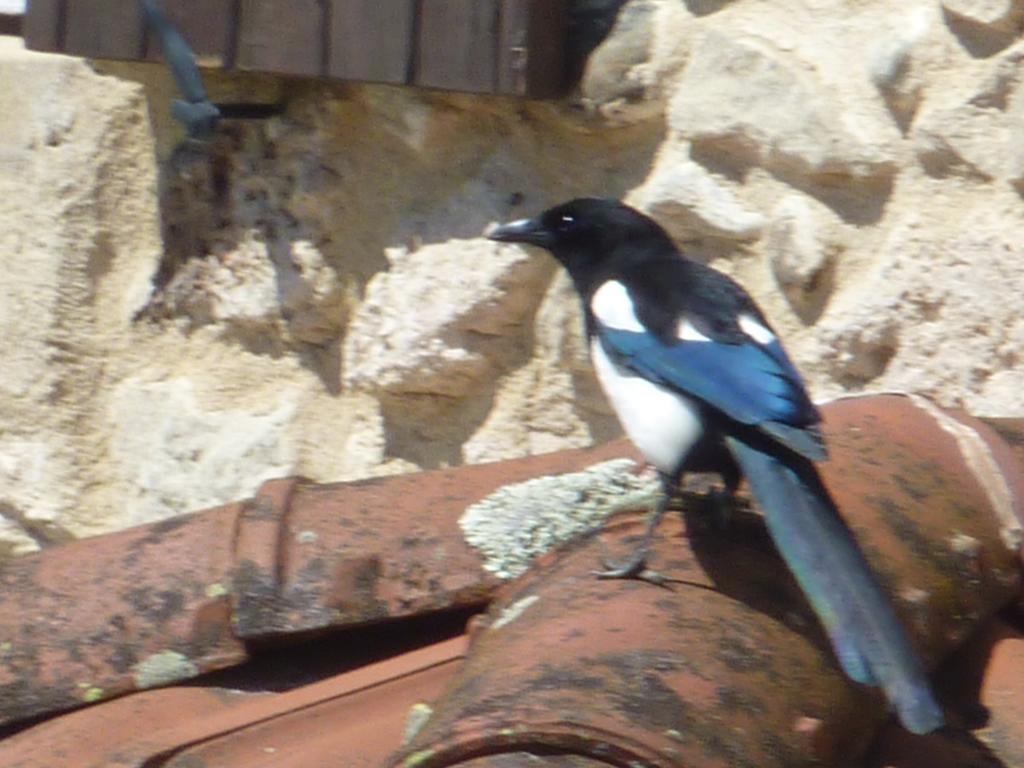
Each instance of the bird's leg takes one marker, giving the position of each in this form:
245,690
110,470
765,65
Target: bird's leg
635,566
721,503
719,506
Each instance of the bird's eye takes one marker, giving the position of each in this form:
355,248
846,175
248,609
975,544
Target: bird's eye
566,221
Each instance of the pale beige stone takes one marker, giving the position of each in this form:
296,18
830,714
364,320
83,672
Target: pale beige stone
691,203
744,97
1001,393
899,58
79,244
196,455
795,242
440,317
803,243
965,140
935,315
974,128
617,82
332,309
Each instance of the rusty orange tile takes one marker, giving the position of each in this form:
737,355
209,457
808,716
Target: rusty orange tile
985,680
725,667
131,610
95,735
164,602
728,666
923,511
358,725
1000,691
350,553
358,717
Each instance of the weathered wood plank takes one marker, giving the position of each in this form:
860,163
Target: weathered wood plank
207,25
10,25
489,46
104,29
371,40
457,45
531,48
285,36
42,25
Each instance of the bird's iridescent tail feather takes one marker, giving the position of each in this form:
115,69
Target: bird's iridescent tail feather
870,643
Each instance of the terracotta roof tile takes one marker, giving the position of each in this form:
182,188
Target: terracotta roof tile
359,715
165,602
725,666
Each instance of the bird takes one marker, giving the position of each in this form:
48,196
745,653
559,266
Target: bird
701,383
196,112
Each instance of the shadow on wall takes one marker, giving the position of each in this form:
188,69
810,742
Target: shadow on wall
274,230
859,201
590,21
982,41
236,255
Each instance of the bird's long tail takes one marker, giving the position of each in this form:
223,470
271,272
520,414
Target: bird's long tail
869,641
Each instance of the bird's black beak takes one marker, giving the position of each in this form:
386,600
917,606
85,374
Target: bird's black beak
529,231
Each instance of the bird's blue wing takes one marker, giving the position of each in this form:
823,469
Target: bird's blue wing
756,384
750,383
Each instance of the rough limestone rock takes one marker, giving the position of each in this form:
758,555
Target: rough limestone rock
690,202
974,129
953,141
313,293
618,82
198,456
30,513
794,243
744,97
802,243
79,245
553,402
259,288
1005,86
899,58
1003,391
440,317
930,317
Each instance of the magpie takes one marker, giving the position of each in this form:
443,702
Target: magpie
700,382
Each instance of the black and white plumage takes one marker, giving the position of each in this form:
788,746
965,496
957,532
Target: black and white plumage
700,382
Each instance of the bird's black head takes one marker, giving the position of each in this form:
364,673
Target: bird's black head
585,233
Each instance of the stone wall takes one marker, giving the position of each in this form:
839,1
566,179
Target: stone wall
313,294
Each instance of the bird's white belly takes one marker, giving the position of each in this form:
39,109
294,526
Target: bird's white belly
663,425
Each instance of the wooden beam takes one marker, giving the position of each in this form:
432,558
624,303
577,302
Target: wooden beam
458,44
42,25
285,36
104,29
531,48
10,25
371,40
513,47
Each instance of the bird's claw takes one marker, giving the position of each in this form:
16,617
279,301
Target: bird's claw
633,568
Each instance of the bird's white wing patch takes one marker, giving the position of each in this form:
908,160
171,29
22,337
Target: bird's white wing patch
612,305
755,330
686,331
